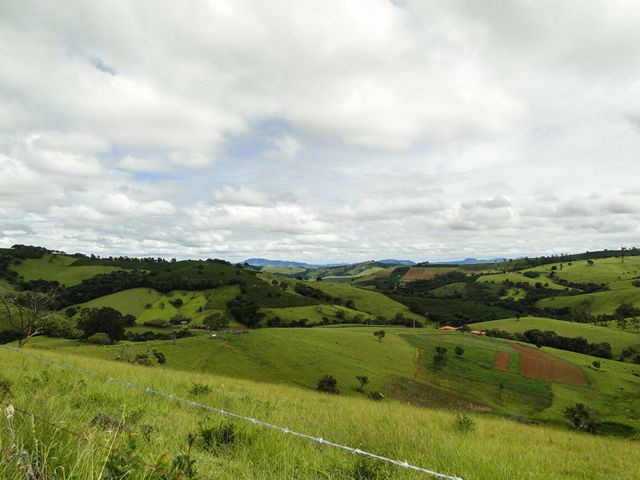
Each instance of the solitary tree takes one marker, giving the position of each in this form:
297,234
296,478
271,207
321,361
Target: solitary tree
379,334
363,381
440,358
328,384
27,313
459,351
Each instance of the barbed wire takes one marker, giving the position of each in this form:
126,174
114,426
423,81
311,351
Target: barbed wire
87,438
226,413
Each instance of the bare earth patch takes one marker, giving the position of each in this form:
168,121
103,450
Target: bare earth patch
418,274
537,364
502,361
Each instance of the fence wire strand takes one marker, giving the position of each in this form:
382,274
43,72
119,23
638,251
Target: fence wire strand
229,414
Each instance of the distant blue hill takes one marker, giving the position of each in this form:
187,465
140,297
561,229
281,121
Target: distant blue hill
391,261
264,262
469,261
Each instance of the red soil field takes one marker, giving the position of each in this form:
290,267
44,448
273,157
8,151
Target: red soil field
502,361
537,364
418,274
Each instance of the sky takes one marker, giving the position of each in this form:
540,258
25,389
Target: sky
320,131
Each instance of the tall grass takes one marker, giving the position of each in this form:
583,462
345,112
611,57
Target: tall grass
494,449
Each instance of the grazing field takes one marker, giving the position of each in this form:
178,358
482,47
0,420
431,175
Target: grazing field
368,301
283,270
316,314
618,339
400,366
58,268
603,270
595,303
519,278
130,301
428,438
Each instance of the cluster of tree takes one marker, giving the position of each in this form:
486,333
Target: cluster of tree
551,339
307,291
632,353
245,310
150,336
526,262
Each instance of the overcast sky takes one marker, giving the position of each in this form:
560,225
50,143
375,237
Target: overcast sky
321,131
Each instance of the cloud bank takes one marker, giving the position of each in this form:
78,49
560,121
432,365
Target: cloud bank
320,131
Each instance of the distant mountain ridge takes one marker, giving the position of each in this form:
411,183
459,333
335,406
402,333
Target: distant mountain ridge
470,261
264,262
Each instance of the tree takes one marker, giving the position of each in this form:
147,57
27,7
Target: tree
379,334
245,310
328,384
458,351
440,358
581,418
216,321
27,313
596,364
364,380
102,320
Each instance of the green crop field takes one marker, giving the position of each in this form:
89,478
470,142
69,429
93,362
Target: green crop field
58,268
428,438
283,270
593,333
595,303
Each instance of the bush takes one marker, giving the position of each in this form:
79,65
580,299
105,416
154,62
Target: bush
377,396
157,323
5,388
218,435
581,418
99,339
464,423
328,384
199,389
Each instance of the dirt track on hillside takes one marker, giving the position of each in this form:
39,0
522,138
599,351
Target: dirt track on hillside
537,364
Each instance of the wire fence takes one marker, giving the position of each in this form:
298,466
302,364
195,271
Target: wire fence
86,438
357,451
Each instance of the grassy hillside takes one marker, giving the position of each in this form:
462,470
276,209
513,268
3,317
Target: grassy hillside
515,277
494,449
595,303
592,333
316,314
401,366
58,268
603,270
366,300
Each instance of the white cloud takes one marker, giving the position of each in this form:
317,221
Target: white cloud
409,127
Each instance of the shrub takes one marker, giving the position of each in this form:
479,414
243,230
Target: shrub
328,384
464,423
219,435
596,364
363,380
5,387
458,351
99,339
199,389
157,323
377,396
581,418
379,335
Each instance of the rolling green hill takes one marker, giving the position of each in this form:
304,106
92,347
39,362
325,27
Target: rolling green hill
58,268
515,277
595,303
592,333
428,438
401,367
